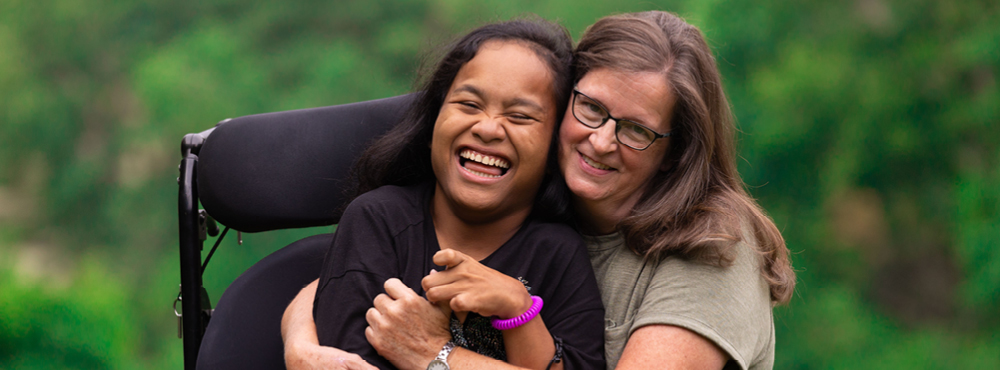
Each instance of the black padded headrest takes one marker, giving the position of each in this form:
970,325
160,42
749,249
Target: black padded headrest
288,169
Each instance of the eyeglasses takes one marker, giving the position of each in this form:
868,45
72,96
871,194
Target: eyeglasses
592,114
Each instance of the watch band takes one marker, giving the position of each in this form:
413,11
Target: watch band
441,361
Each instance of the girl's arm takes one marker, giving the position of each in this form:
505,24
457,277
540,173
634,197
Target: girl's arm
302,349
471,287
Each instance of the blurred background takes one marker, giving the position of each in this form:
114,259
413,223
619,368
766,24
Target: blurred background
869,133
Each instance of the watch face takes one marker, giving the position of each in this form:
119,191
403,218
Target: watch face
438,365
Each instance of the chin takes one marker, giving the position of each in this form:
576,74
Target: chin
585,190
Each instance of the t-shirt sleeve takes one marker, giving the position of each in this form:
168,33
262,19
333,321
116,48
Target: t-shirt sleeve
360,259
728,305
573,310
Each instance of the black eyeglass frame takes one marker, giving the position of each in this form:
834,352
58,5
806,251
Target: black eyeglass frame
618,122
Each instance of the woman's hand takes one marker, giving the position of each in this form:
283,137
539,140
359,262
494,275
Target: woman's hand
470,286
302,349
405,328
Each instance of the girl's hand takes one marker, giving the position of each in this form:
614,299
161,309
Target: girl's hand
470,286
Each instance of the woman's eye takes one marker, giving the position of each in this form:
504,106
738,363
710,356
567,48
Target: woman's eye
594,108
637,131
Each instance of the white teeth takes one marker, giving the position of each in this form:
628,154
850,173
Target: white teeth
477,173
596,164
484,159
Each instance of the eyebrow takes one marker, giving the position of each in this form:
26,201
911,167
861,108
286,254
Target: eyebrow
608,111
509,103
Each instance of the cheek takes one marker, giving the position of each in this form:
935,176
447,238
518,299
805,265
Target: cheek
572,134
440,146
564,143
536,143
565,135
642,166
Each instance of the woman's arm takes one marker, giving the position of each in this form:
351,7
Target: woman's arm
302,349
670,347
406,329
649,347
303,352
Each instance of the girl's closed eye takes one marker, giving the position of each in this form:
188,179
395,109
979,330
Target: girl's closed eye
521,118
469,106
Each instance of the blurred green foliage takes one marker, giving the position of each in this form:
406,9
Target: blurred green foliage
868,133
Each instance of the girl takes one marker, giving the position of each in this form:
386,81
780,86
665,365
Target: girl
454,186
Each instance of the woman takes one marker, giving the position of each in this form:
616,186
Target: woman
689,266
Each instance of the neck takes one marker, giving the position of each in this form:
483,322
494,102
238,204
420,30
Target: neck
471,232
593,220
602,217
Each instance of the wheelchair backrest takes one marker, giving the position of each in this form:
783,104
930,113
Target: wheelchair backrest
288,169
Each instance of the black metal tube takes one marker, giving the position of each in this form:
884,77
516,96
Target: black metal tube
190,253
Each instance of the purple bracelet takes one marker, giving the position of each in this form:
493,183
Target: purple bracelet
536,307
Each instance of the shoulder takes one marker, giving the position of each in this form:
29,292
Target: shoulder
730,306
392,194
390,199
742,277
395,207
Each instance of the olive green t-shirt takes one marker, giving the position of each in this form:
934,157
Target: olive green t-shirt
730,306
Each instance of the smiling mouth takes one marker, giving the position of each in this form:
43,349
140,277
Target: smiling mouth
483,165
596,164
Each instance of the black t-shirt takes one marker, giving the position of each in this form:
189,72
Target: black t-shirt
388,233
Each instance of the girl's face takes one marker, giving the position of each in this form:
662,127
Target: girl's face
607,178
492,135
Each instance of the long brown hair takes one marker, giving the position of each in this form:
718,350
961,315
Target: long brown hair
697,208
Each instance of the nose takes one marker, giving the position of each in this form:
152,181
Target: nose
489,129
603,138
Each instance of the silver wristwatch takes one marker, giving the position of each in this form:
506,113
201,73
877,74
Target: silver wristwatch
441,361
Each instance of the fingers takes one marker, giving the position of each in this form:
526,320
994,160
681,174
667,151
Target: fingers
436,286
458,303
397,290
404,330
458,267
449,258
444,307
373,317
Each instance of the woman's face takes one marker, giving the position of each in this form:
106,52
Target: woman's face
493,132
606,177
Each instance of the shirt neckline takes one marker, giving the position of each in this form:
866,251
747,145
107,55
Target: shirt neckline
603,242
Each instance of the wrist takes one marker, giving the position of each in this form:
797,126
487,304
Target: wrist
440,361
296,355
523,318
520,305
430,351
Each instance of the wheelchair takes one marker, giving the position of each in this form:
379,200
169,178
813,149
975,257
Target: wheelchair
259,173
